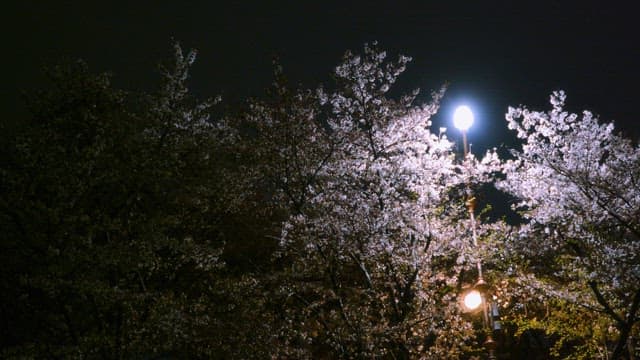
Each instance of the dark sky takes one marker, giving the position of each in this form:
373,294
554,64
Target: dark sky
494,53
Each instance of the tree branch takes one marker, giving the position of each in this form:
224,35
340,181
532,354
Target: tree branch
605,304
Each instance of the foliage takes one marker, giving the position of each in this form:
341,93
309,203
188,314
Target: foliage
110,212
316,223
578,186
372,249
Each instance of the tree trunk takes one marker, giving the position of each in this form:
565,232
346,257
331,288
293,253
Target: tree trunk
625,330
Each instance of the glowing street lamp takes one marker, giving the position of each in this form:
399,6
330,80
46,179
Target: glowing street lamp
472,300
462,120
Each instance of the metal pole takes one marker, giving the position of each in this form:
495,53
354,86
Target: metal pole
489,343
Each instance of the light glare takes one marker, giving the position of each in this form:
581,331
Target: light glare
463,118
472,300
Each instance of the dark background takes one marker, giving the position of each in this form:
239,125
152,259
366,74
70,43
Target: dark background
493,53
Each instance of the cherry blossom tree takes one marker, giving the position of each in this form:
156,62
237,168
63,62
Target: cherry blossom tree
374,250
578,186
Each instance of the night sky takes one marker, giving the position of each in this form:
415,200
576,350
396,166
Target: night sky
493,53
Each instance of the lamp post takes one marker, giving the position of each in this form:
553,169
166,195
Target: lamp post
477,297
462,120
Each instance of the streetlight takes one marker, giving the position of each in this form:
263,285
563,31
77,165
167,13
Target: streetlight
476,298
462,120
472,300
